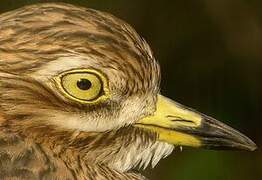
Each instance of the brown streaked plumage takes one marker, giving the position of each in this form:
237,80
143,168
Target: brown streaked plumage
31,38
45,133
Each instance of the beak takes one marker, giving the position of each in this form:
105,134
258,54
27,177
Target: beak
176,124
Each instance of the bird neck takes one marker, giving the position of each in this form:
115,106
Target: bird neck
76,151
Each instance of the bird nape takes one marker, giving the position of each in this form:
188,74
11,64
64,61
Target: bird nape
79,99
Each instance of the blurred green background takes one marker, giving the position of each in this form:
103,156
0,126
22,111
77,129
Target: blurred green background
210,53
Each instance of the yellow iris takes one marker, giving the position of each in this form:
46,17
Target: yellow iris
83,85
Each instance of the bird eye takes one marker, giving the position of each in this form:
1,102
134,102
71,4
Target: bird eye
85,86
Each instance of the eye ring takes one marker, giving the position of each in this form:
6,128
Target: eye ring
86,86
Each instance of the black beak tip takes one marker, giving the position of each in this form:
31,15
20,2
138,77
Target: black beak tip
251,146
217,135
245,143
226,144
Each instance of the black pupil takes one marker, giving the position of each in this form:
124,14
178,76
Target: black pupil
84,84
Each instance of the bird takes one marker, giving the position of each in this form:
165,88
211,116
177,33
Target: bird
80,99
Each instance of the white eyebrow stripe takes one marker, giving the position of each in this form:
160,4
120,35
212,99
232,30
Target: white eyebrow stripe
62,64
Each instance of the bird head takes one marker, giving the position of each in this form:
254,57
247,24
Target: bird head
81,80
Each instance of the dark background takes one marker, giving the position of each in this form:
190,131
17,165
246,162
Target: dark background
210,53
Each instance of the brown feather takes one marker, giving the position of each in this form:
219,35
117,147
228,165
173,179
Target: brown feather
32,146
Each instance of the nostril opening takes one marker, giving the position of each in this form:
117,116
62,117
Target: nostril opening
179,119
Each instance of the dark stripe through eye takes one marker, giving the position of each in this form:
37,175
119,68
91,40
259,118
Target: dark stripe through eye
84,84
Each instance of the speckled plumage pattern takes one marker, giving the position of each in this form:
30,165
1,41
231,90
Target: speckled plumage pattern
44,135
25,159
